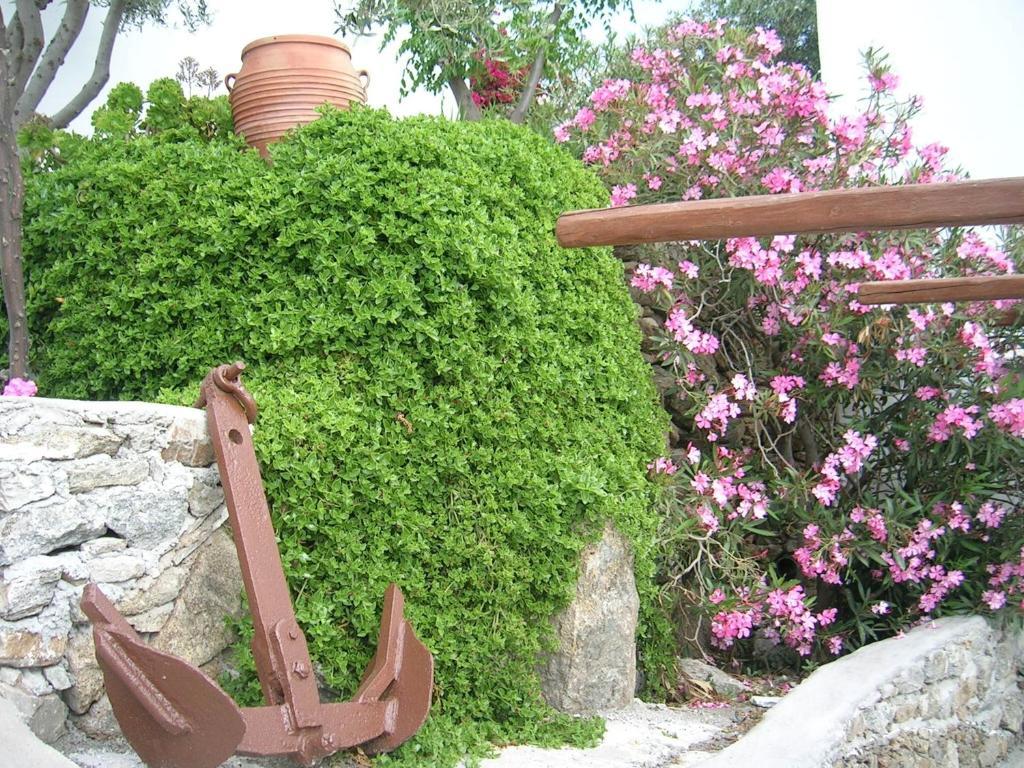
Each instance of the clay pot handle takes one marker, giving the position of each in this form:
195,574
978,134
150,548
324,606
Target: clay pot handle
230,85
366,77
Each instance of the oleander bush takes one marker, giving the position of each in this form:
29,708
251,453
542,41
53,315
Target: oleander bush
842,471
449,400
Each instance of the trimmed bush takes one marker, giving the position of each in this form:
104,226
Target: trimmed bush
449,400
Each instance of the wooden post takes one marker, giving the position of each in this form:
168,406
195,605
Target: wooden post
915,206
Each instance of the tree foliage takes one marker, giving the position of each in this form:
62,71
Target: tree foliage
448,399
449,43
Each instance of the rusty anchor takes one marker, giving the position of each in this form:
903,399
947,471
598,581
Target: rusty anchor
176,717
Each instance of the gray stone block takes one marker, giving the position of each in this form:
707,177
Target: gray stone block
594,668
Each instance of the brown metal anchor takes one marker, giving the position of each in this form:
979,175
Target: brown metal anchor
176,717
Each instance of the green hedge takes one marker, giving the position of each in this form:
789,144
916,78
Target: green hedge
449,400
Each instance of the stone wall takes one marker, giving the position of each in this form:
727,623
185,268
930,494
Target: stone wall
123,494
945,695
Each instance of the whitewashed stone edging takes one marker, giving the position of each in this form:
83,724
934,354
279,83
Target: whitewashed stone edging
119,493
945,695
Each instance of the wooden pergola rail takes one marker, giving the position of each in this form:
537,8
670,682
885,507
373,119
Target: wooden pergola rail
916,206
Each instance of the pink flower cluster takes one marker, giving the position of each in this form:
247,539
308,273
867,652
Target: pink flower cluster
20,388
1009,416
955,417
781,615
686,333
779,364
850,458
647,278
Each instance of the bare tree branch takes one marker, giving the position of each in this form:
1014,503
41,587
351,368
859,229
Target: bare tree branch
70,26
101,70
13,45
468,110
518,114
26,56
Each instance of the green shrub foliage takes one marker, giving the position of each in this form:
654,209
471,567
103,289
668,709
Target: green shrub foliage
449,400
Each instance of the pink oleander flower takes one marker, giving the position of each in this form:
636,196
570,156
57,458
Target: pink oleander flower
20,388
881,608
648,278
991,515
695,340
622,194
608,92
745,389
955,416
692,454
1009,416
662,466
584,119
729,626
716,415
882,82
994,599
689,269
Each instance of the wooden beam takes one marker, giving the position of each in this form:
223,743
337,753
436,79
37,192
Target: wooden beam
915,206
943,289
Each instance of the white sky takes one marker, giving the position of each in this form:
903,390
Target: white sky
964,58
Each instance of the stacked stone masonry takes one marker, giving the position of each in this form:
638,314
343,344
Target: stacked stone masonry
962,707
123,494
947,694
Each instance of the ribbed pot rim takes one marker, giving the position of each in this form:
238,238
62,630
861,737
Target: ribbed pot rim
284,89
275,128
310,104
314,39
271,118
296,72
257,112
248,92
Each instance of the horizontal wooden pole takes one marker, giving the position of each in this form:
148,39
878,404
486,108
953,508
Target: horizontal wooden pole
942,289
915,206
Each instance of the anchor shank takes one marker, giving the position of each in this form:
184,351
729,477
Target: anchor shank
265,584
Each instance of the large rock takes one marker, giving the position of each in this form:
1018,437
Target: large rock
149,516
46,526
27,586
594,668
696,674
102,471
19,741
196,630
84,670
38,641
44,715
30,482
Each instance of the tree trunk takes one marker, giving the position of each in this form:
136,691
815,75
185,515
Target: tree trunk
12,192
468,110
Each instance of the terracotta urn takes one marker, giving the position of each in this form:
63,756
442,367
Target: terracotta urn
284,78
